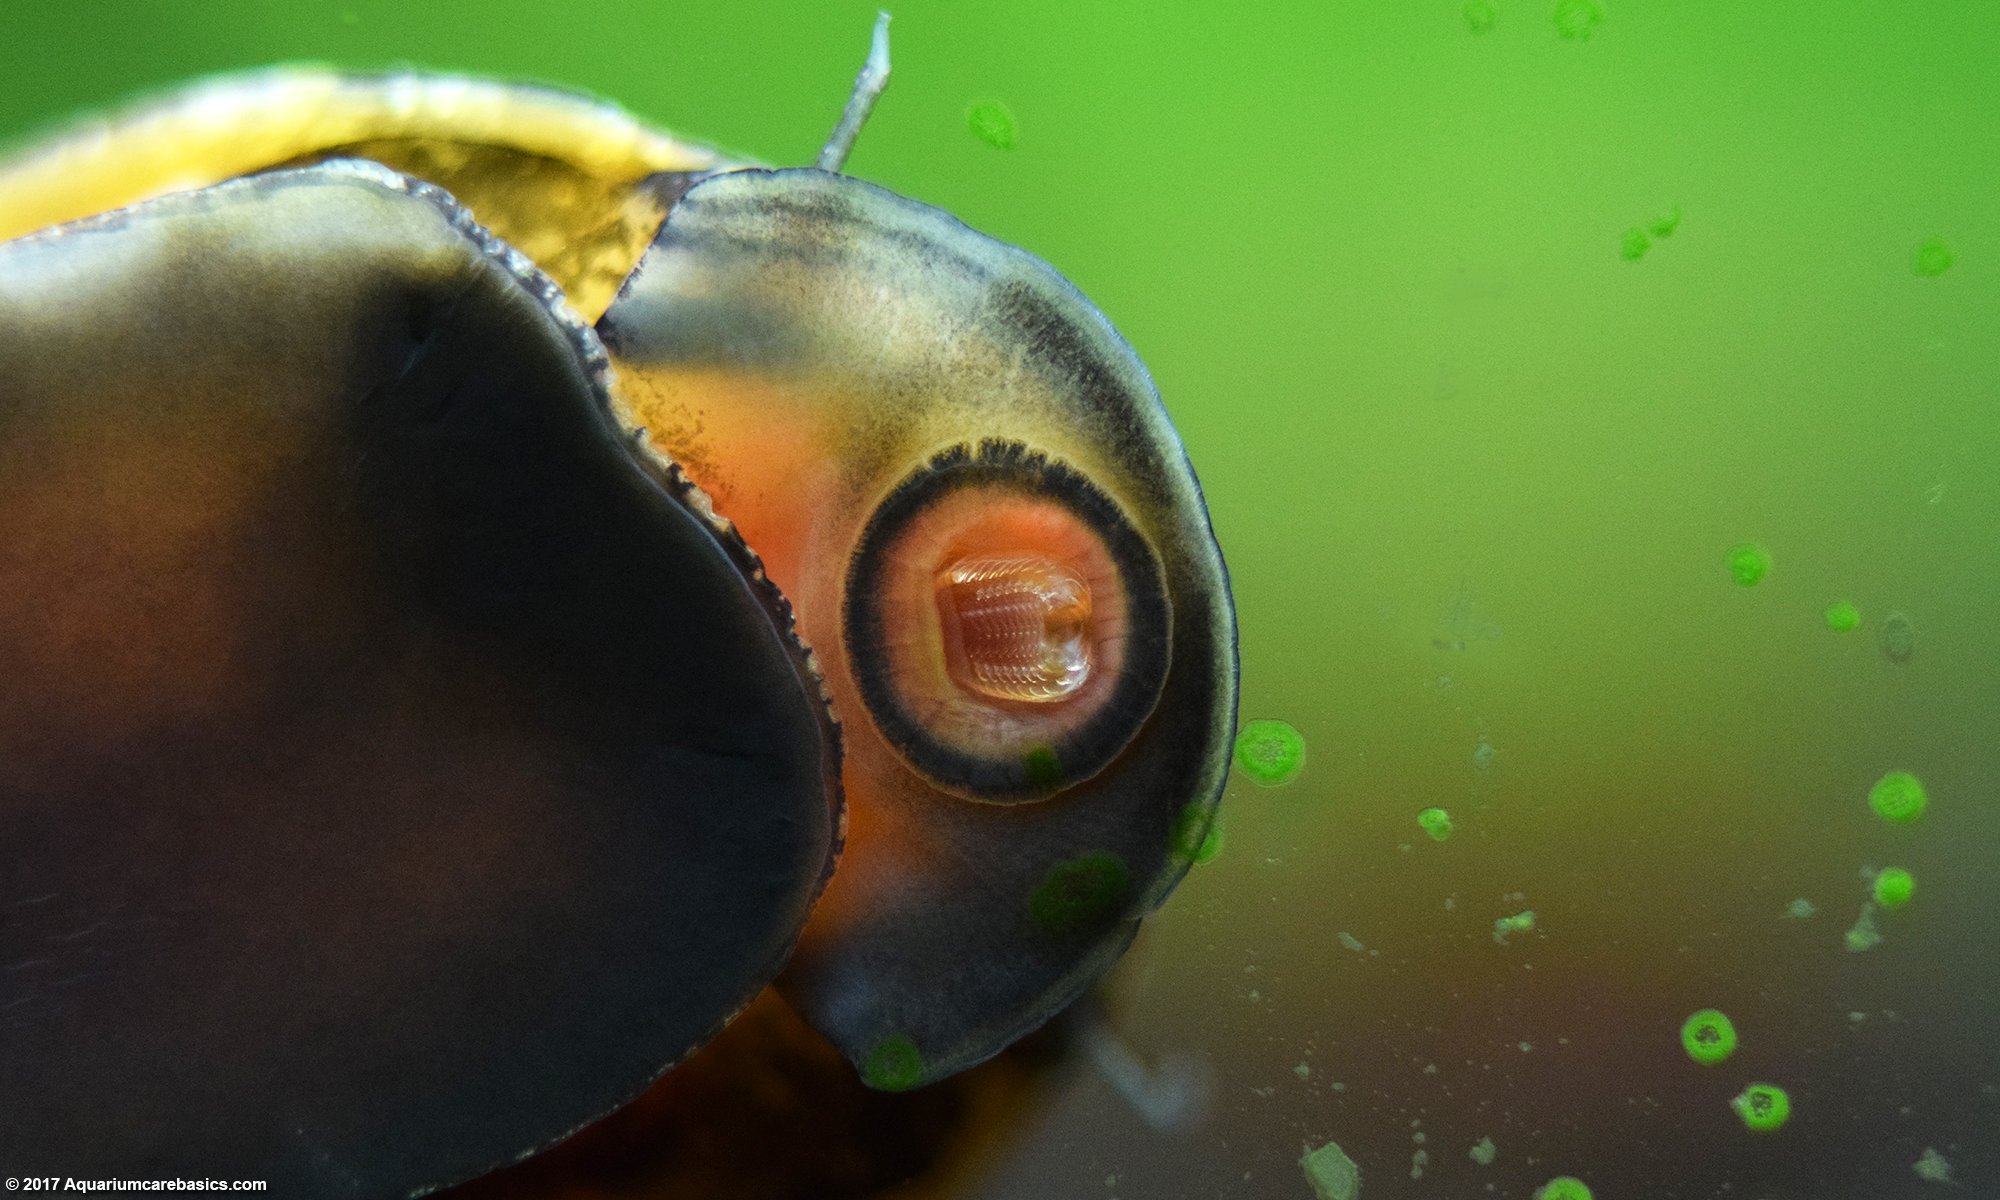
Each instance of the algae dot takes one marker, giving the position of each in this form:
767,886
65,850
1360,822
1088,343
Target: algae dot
1894,887
894,1065
1933,259
1708,1037
1563,1187
1436,822
1668,222
1078,891
1578,19
1862,936
1198,833
1898,798
1762,1106
1043,768
1932,1167
1897,637
992,123
1633,247
1842,617
1332,1174
1748,563
1479,16
1520,922
1270,751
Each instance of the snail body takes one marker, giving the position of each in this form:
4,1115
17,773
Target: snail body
490,587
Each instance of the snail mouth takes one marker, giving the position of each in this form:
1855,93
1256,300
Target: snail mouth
1016,627
1006,623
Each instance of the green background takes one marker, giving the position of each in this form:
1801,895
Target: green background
1477,476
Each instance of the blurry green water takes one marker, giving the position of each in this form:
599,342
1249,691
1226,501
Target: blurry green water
1477,475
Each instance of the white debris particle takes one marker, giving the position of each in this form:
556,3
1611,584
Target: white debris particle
1863,935
1800,909
1932,1168
1351,942
1333,1175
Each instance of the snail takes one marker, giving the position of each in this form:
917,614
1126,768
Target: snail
488,588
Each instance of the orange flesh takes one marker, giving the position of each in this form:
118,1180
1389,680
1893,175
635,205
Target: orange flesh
767,454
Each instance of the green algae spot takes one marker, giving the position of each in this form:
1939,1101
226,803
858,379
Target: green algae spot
1898,798
1333,1175
1762,1106
1842,617
1578,19
1479,16
1270,751
1897,637
1638,239
991,122
1520,922
1748,563
1862,936
1436,822
1078,891
1043,767
1198,833
894,1065
1932,1167
1933,259
1563,1187
1708,1037
1894,887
